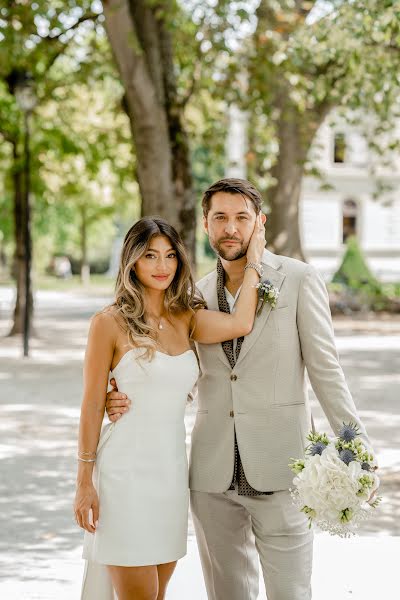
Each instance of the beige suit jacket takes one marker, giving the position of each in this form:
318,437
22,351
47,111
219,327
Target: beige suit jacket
265,396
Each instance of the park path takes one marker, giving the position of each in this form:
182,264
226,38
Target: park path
39,412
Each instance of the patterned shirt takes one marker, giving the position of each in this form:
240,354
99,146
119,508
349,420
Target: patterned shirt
232,348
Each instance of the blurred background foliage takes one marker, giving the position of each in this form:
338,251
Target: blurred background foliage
288,64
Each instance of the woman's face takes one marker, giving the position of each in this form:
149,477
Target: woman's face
156,268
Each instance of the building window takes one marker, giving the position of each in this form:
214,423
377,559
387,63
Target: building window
350,217
339,148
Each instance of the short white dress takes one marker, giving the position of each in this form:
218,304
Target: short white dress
141,472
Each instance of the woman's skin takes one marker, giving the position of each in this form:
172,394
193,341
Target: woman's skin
107,343
142,583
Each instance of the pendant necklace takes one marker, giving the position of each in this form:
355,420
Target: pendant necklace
160,323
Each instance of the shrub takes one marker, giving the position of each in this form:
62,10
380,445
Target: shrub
354,272
354,287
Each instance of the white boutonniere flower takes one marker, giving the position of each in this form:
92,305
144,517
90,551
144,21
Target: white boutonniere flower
267,293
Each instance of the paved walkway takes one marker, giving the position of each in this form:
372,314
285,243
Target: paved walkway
39,412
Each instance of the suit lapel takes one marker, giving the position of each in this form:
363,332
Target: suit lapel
272,265
210,292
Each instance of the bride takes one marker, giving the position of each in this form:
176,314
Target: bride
132,483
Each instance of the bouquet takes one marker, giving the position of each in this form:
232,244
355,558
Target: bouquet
336,481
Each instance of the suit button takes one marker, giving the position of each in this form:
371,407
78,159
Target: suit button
231,414
233,377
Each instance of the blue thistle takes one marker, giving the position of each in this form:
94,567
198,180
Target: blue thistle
348,432
347,456
317,448
365,466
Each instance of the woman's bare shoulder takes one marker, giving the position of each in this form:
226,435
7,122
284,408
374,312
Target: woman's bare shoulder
107,321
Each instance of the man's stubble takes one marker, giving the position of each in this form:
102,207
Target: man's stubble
229,255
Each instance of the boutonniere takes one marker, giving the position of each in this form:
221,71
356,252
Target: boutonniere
267,293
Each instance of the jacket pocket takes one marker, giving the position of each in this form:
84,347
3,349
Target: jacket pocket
298,403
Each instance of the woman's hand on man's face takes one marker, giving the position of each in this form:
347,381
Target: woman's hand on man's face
257,241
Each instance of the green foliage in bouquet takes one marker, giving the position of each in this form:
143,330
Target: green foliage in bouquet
335,482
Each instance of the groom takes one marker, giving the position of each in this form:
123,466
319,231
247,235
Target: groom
254,412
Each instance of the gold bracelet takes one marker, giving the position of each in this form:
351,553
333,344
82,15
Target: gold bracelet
87,460
86,453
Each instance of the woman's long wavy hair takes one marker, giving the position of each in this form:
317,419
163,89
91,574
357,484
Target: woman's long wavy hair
180,296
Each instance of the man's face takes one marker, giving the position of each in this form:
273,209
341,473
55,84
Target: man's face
229,224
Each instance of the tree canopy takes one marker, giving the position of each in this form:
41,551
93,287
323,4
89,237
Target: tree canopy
289,64
306,59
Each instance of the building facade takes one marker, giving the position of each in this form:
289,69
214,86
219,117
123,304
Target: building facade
356,195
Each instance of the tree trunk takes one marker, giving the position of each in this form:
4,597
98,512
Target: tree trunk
142,47
296,132
20,265
283,228
183,187
295,129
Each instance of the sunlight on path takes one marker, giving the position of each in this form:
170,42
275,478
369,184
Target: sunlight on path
340,573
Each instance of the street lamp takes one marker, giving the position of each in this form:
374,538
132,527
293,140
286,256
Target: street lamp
26,99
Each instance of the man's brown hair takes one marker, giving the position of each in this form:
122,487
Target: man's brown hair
232,186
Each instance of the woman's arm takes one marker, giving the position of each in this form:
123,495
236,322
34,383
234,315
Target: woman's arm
210,326
98,358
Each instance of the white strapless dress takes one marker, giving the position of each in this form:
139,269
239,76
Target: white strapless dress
141,472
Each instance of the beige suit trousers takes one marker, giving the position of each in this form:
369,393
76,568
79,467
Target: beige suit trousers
232,531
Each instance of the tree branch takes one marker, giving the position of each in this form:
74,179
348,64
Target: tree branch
7,136
304,7
82,19
284,20
197,69
54,57
149,31
64,46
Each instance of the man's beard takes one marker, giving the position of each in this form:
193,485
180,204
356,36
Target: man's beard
229,254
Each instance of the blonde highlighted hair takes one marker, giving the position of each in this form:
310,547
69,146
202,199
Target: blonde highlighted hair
129,304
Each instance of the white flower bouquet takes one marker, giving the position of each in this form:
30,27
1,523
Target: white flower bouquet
336,481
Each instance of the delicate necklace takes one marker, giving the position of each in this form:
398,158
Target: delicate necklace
160,324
